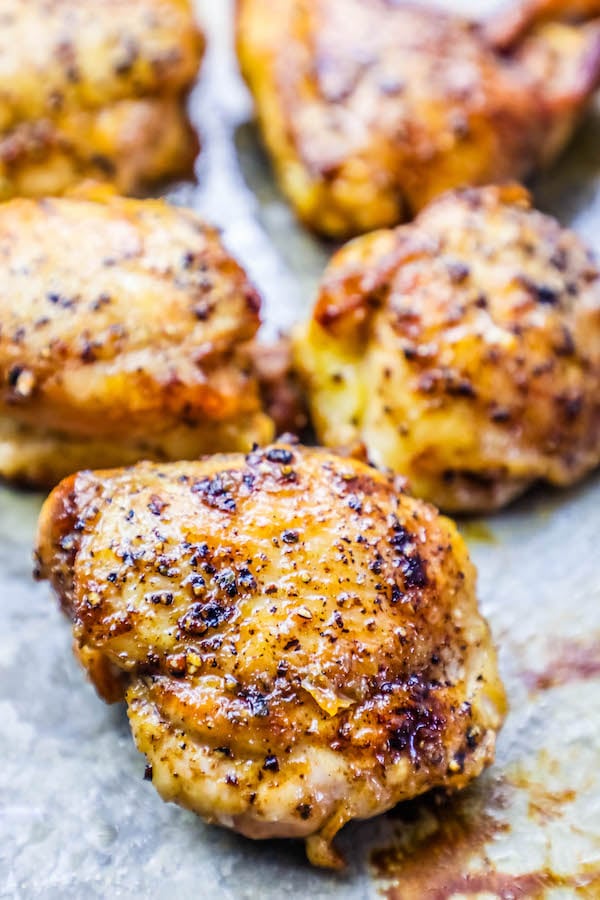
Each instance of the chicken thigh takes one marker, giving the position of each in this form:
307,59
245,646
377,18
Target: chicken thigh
463,350
95,89
371,108
297,640
124,334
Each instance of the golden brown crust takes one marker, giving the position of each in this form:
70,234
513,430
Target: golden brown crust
281,391
463,350
95,90
370,110
124,335
300,640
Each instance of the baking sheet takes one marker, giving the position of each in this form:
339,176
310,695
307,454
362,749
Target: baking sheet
76,817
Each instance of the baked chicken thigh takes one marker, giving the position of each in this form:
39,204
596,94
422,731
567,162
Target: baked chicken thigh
511,23
95,89
463,350
124,334
371,109
297,640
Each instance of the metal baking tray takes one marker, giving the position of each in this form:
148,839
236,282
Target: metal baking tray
76,817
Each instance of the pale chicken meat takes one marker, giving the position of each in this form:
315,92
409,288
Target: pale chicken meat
463,350
95,89
125,333
371,109
297,640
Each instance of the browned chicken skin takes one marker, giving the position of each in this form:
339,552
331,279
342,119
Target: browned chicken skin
297,640
124,334
371,108
91,89
463,350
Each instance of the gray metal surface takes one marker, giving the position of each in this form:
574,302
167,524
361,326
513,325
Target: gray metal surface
76,817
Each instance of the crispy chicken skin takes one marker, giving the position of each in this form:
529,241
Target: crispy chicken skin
124,332
298,641
371,108
463,350
95,89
